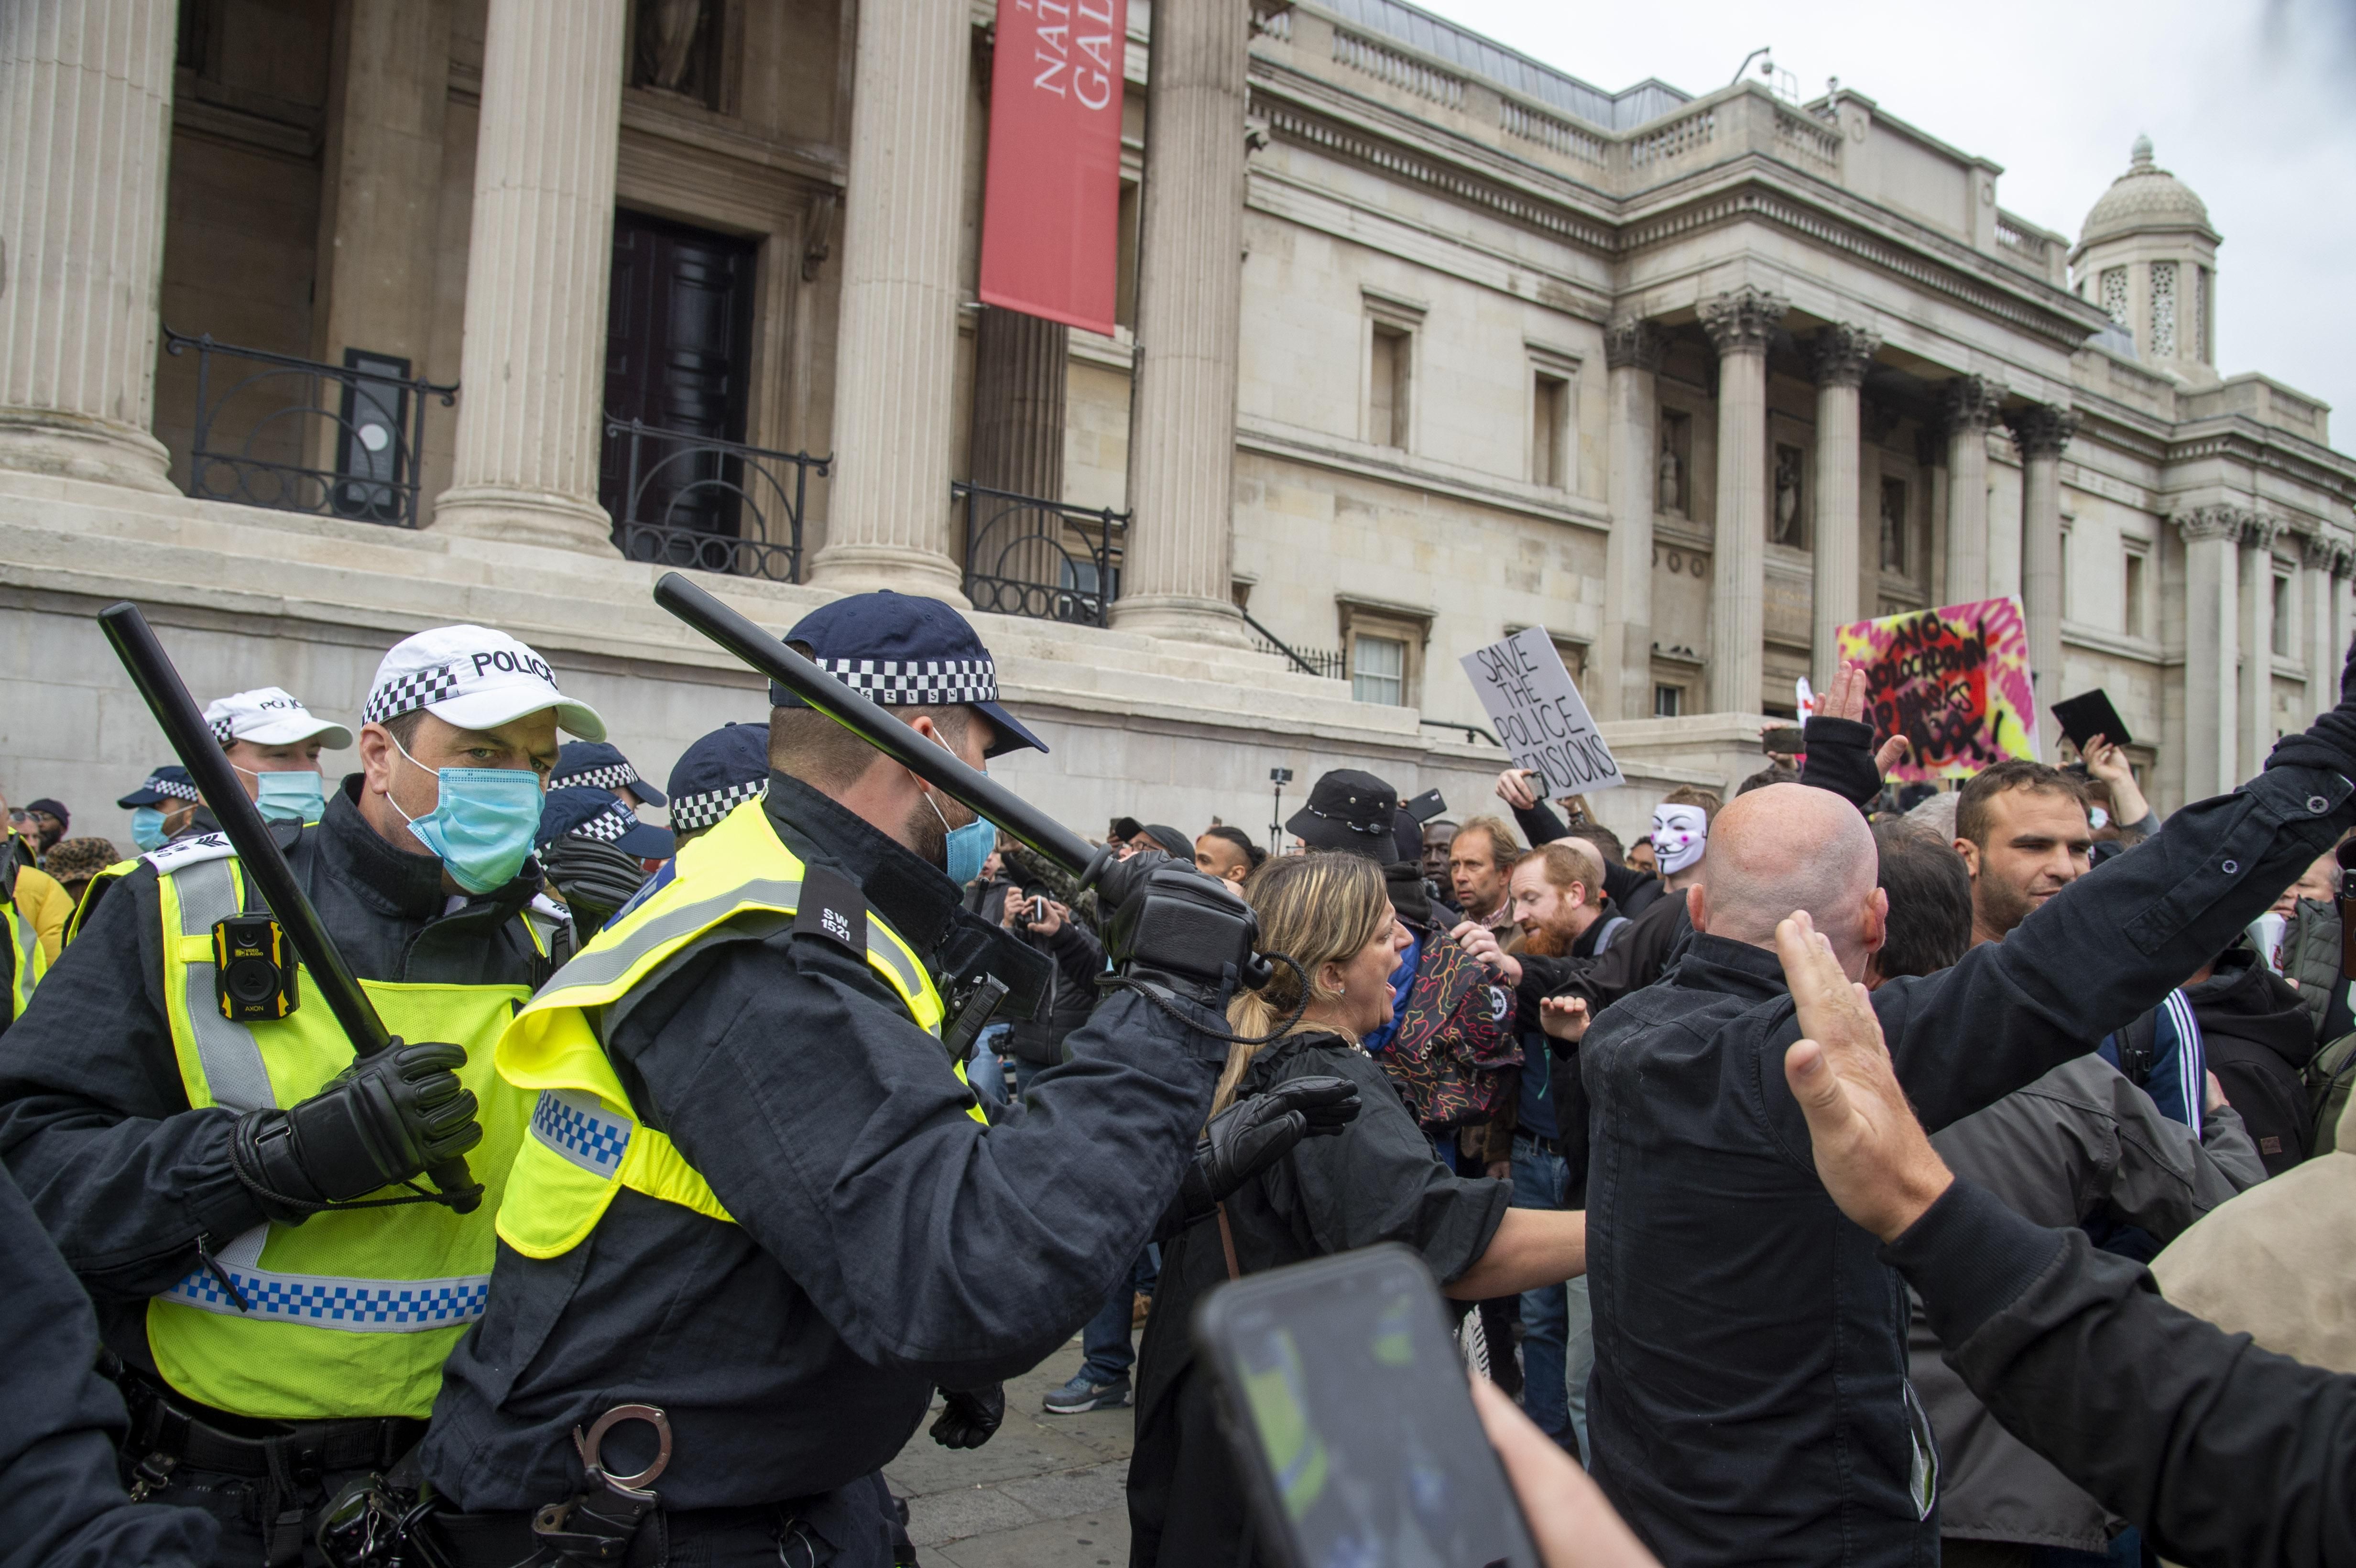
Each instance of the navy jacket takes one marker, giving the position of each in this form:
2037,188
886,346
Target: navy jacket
1750,1401
885,1242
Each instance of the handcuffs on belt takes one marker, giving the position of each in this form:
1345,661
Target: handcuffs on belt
597,1525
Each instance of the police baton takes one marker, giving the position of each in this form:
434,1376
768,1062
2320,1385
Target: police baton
151,670
970,788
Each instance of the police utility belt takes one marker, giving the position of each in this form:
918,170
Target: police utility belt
166,1436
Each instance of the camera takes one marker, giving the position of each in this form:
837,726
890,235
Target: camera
253,972
1280,775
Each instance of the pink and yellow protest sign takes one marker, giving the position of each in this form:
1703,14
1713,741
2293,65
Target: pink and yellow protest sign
1953,682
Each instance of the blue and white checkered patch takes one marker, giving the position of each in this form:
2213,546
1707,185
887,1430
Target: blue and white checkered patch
359,1305
689,811
582,1129
614,775
929,683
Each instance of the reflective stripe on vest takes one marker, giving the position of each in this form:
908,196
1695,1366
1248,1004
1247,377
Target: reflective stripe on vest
585,1141
353,1312
27,961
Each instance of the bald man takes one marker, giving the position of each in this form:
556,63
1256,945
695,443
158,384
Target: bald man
1750,1401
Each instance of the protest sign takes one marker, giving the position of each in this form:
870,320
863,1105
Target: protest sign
1953,682
1536,709
1051,194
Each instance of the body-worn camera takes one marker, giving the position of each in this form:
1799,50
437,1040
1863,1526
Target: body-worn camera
254,969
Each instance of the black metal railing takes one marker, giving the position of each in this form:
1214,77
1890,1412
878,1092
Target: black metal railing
1050,561
296,435
1327,663
1469,730
695,501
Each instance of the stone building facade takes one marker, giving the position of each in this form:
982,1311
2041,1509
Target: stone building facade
1420,342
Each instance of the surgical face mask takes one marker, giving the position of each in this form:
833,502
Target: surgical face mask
289,798
482,824
968,847
148,829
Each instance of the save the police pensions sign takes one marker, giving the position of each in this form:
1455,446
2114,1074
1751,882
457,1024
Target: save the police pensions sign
1536,709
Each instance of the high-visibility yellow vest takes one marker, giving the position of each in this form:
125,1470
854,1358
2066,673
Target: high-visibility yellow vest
352,1312
587,1142
26,959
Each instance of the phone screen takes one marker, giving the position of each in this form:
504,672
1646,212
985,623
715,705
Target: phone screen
1350,1399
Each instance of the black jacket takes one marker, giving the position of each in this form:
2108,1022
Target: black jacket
885,1243
1633,890
2258,1035
1376,1181
94,1119
62,1501
1749,1400
2217,1451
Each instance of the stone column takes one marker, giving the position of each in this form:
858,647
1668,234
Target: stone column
1020,366
2317,556
2256,696
1971,407
2041,432
2343,564
1841,353
1739,325
1622,684
888,502
85,134
2211,642
1182,451
538,261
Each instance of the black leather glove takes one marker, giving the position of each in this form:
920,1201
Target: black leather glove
595,878
969,1416
1174,927
1252,1134
384,1119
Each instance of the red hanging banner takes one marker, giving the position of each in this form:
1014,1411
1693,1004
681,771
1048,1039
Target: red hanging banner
1051,206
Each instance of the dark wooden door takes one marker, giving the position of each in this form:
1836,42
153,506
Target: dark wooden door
678,355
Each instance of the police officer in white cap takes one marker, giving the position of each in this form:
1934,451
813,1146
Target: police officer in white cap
241,1198
274,742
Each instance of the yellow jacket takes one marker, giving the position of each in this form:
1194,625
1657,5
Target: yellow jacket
43,902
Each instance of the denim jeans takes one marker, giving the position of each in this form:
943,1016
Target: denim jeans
1106,1337
1538,1184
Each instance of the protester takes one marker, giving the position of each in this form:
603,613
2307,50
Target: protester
1631,889
1925,880
2022,831
1480,859
2216,1454
1719,1207
1376,1181
274,742
1640,855
2132,819
50,821
2256,1039
74,861
718,773
1438,834
600,764
1226,853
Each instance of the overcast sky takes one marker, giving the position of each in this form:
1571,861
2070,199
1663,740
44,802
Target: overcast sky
2247,102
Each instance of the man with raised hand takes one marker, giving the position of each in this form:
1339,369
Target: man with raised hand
1749,1401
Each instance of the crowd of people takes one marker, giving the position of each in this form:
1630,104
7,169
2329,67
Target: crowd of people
1799,1172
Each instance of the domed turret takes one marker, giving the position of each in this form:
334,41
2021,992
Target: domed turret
2148,257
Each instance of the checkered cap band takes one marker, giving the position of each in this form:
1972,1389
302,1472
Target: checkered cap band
175,788
606,826
689,811
407,693
927,683
615,775
223,731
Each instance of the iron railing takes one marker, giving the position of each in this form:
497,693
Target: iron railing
696,501
1469,730
287,433
1040,559
1326,664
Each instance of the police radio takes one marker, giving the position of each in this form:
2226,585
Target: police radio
253,973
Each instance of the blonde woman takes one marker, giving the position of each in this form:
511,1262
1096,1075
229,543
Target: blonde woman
1376,1181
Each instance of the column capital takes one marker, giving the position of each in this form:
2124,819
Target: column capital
2042,429
2212,522
2259,531
1741,321
2343,560
2315,550
1633,342
1971,404
1840,354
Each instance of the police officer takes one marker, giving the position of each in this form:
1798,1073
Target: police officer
274,742
239,1198
756,1195
715,775
166,806
595,851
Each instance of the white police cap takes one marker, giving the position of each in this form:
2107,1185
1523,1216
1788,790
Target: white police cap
475,679
269,717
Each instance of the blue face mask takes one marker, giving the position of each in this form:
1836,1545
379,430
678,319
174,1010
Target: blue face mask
482,825
968,847
148,829
291,797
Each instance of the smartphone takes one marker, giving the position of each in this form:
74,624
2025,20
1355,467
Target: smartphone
1783,741
1343,1396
